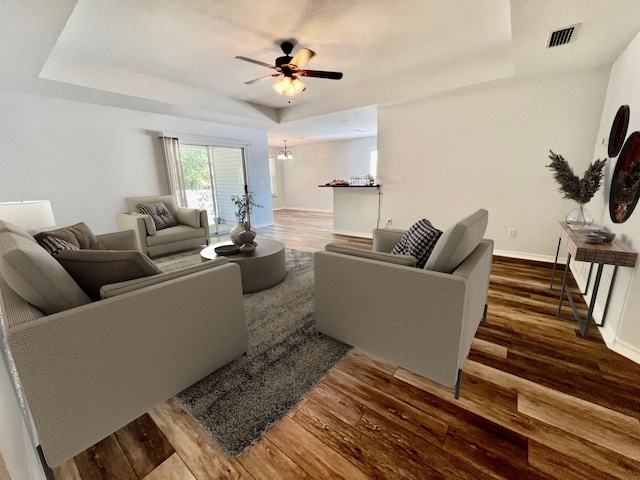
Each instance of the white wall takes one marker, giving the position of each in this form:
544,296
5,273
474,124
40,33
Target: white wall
316,164
443,158
622,325
86,158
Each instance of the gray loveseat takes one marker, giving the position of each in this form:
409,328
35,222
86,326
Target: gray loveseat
423,319
87,368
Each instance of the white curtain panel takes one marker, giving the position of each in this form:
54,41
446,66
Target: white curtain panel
173,165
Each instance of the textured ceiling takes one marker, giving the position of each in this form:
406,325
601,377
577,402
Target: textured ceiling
177,56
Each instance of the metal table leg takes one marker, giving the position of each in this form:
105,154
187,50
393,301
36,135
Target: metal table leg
553,273
584,324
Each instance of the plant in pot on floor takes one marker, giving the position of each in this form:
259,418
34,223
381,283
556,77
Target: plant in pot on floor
242,234
574,188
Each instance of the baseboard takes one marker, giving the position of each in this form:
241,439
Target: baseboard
298,209
626,350
608,335
353,234
524,256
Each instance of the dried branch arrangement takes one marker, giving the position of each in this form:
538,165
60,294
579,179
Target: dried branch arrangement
571,186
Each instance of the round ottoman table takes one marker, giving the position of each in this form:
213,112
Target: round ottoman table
261,269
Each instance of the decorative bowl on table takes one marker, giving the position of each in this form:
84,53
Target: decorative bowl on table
593,239
227,249
608,236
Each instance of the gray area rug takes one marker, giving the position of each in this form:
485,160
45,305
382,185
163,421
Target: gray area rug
238,403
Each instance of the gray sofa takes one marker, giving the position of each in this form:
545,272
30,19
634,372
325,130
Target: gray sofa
191,231
423,319
87,368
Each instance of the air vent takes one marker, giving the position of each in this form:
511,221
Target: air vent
561,37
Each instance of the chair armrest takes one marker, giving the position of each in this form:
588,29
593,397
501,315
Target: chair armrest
204,222
408,260
136,223
409,316
189,216
123,240
384,239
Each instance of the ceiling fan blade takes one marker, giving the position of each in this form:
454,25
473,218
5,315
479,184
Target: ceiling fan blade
320,74
257,62
302,57
256,80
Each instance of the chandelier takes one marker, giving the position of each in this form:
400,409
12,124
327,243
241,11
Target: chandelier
285,154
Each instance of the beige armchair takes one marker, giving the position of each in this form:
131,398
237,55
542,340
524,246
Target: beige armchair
423,319
192,229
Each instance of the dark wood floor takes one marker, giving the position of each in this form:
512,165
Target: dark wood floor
537,401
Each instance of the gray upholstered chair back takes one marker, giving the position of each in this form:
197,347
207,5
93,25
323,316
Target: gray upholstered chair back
457,242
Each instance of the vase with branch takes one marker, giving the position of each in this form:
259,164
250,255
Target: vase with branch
242,234
581,190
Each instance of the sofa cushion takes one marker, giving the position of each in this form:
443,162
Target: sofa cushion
418,241
79,235
175,234
162,217
91,269
36,276
457,242
54,244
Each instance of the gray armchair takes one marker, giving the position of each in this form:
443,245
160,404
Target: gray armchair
423,319
192,229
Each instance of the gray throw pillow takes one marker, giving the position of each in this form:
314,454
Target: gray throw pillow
160,214
418,241
91,269
79,235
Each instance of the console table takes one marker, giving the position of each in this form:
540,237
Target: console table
615,253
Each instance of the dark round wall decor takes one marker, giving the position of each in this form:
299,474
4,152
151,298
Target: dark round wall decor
625,183
618,131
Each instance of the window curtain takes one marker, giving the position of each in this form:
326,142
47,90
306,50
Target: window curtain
173,166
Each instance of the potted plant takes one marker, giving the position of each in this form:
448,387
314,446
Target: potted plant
242,234
574,188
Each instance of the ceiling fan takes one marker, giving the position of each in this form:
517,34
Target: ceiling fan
290,68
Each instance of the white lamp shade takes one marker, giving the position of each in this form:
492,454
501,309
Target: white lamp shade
29,215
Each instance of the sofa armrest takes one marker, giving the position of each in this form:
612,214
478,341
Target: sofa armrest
123,240
408,260
114,289
90,370
384,239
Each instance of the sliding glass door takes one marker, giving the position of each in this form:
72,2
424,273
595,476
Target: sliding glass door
211,176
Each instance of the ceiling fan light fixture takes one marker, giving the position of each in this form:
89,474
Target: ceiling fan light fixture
285,154
290,86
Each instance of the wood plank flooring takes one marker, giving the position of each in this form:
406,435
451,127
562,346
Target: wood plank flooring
537,401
